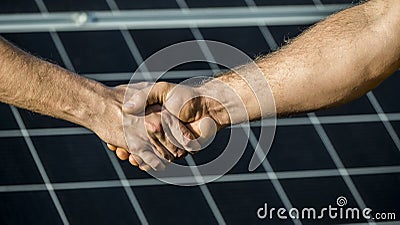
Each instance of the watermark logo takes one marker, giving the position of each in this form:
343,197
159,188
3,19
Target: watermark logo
341,201
330,212
154,67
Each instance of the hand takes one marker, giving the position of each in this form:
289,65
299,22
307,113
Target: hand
110,129
202,115
139,139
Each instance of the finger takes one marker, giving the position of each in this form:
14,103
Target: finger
181,153
157,138
122,154
133,161
134,91
174,150
155,94
167,144
111,147
156,134
136,104
204,129
136,157
178,134
207,128
161,150
151,159
184,103
164,146
145,167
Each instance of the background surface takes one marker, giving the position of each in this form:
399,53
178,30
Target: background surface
54,172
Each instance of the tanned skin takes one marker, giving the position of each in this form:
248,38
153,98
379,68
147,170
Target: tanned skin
34,84
334,62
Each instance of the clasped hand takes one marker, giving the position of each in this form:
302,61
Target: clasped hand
163,122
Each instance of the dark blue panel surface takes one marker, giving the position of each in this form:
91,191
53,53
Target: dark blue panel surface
18,6
248,39
38,44
28,208
7,120
146,4
282,34
283,2
132,172
152,41
74,158
380,192
396,126
82,158
220,145
174,205
356,107
98,51
340,1
360,145
319,193
209,4
35,120
99,206
239,201
76,5
16,163
388,93
298,148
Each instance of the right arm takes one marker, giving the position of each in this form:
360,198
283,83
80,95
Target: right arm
332,63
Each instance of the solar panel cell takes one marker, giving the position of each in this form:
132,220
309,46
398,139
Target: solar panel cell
28,208
17,165
74,158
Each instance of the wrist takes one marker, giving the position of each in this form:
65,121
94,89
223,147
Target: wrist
222,104
237,101
102,113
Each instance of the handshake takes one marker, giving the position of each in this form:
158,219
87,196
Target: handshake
163,121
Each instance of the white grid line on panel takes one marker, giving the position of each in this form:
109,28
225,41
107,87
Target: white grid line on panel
139,60
252,138
166,18
282,175
332,152
312,119
338,162
128,190
271,175
206,192
39,165
198,36
390,130
295,121
325,139
67,62
384,118
34,153
56,39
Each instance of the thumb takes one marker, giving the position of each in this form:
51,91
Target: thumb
150,95
193,136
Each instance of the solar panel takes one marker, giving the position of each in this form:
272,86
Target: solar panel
55,172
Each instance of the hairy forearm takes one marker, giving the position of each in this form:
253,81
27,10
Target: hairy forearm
334,62
36,85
